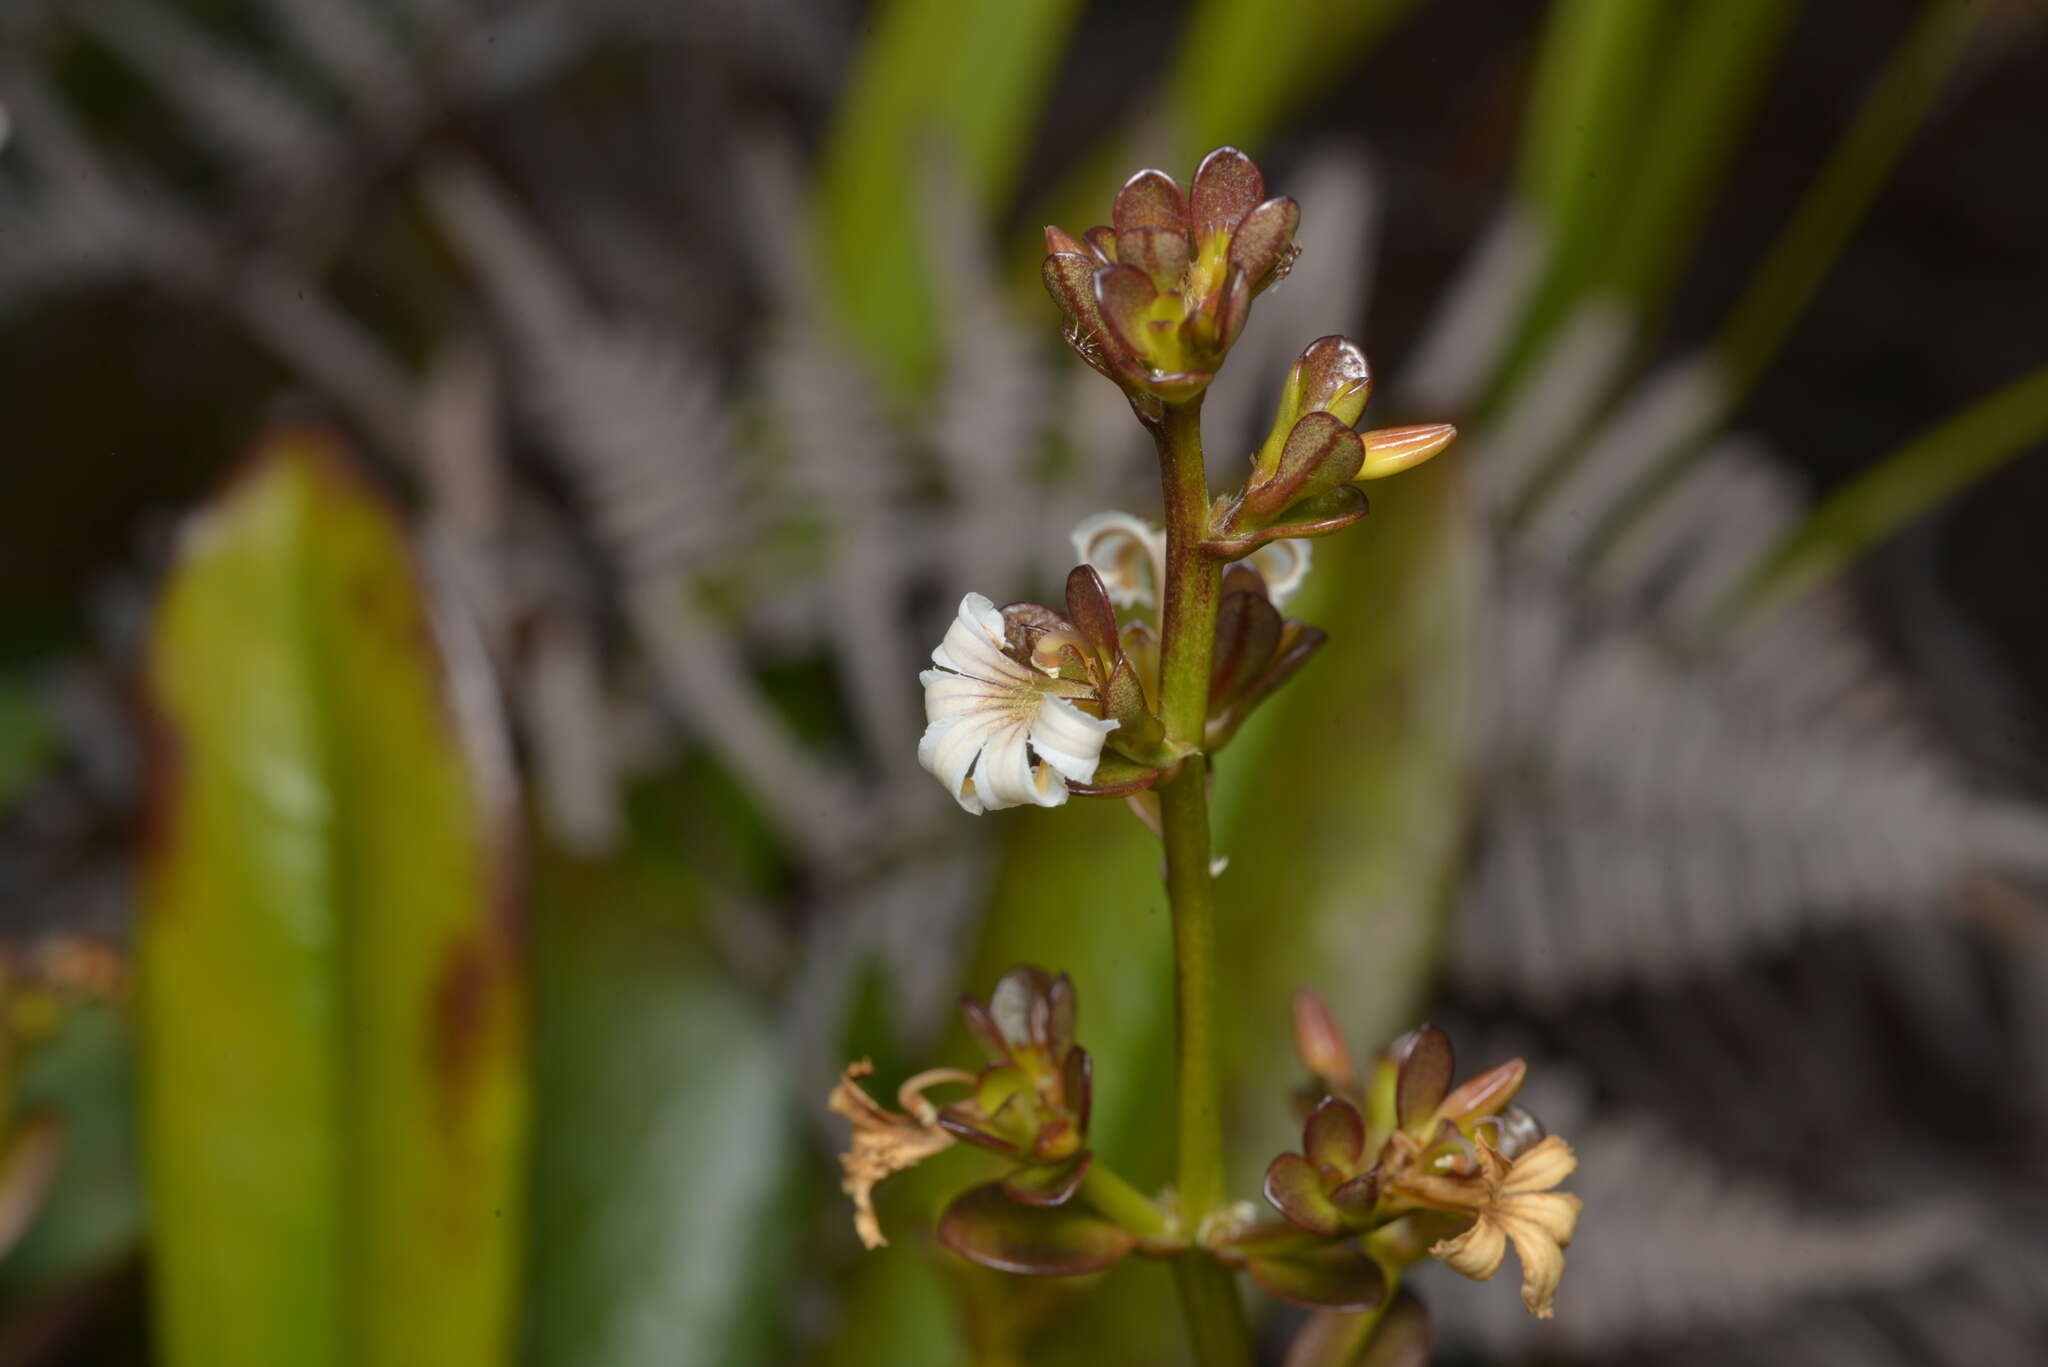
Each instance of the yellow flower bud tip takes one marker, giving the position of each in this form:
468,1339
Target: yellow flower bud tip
1391,450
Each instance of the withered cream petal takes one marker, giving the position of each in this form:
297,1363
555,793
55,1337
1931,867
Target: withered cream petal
1477,1253
1542,1263
1541,1168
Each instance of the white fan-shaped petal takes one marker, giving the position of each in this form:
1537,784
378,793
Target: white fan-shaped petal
948,750
974,643
1002,776
1069,739
1126,551
1283,565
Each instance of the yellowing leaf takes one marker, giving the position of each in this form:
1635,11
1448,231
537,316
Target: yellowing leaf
332,1015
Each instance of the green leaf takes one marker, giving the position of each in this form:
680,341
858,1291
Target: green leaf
985,1226
1628,95
84,1078
334,1097
1240,70
1295,1190
1710,85
1048,1186
1910,482
1593,67
28,736
960,80
1898,103
664,1148
1242,66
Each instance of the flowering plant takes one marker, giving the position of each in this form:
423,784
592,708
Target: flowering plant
1029,705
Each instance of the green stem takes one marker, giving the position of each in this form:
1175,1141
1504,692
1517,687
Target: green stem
1216,1322
1115,1199
1184,817
1187,639
1188,618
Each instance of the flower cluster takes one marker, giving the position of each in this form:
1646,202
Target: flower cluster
1029,704
1402,1155
1155,301
1029,1104
1024,699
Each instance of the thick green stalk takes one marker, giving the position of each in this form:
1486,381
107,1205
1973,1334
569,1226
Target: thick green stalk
1187,639
1184,817
1188,618
1117,1200
1216,1322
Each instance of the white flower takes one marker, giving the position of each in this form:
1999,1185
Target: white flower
1130,555
1126,551
1283,564
988,715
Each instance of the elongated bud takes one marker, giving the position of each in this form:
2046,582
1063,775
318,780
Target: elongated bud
1391,450
1319,454
1485,1095
1331,376
1321,1044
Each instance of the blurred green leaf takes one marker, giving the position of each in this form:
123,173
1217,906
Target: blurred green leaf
664,1148
28,737
960,80
84,1075
1629,97
1709,86
1593,80
1799,260
332,1020
1907,484
1242,66
1835,203
1593,68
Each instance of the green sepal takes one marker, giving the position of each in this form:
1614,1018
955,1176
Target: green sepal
1320,454
1318,516
1426,1067
1048,1186
1137,729
1248,631
1118,776
984,1225
1334,1136
1295,1189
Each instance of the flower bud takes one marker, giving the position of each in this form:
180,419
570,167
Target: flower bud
1391,450
1331,376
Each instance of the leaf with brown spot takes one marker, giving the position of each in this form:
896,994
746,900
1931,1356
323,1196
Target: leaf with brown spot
331,977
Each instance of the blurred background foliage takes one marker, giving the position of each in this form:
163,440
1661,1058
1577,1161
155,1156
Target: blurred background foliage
446,854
